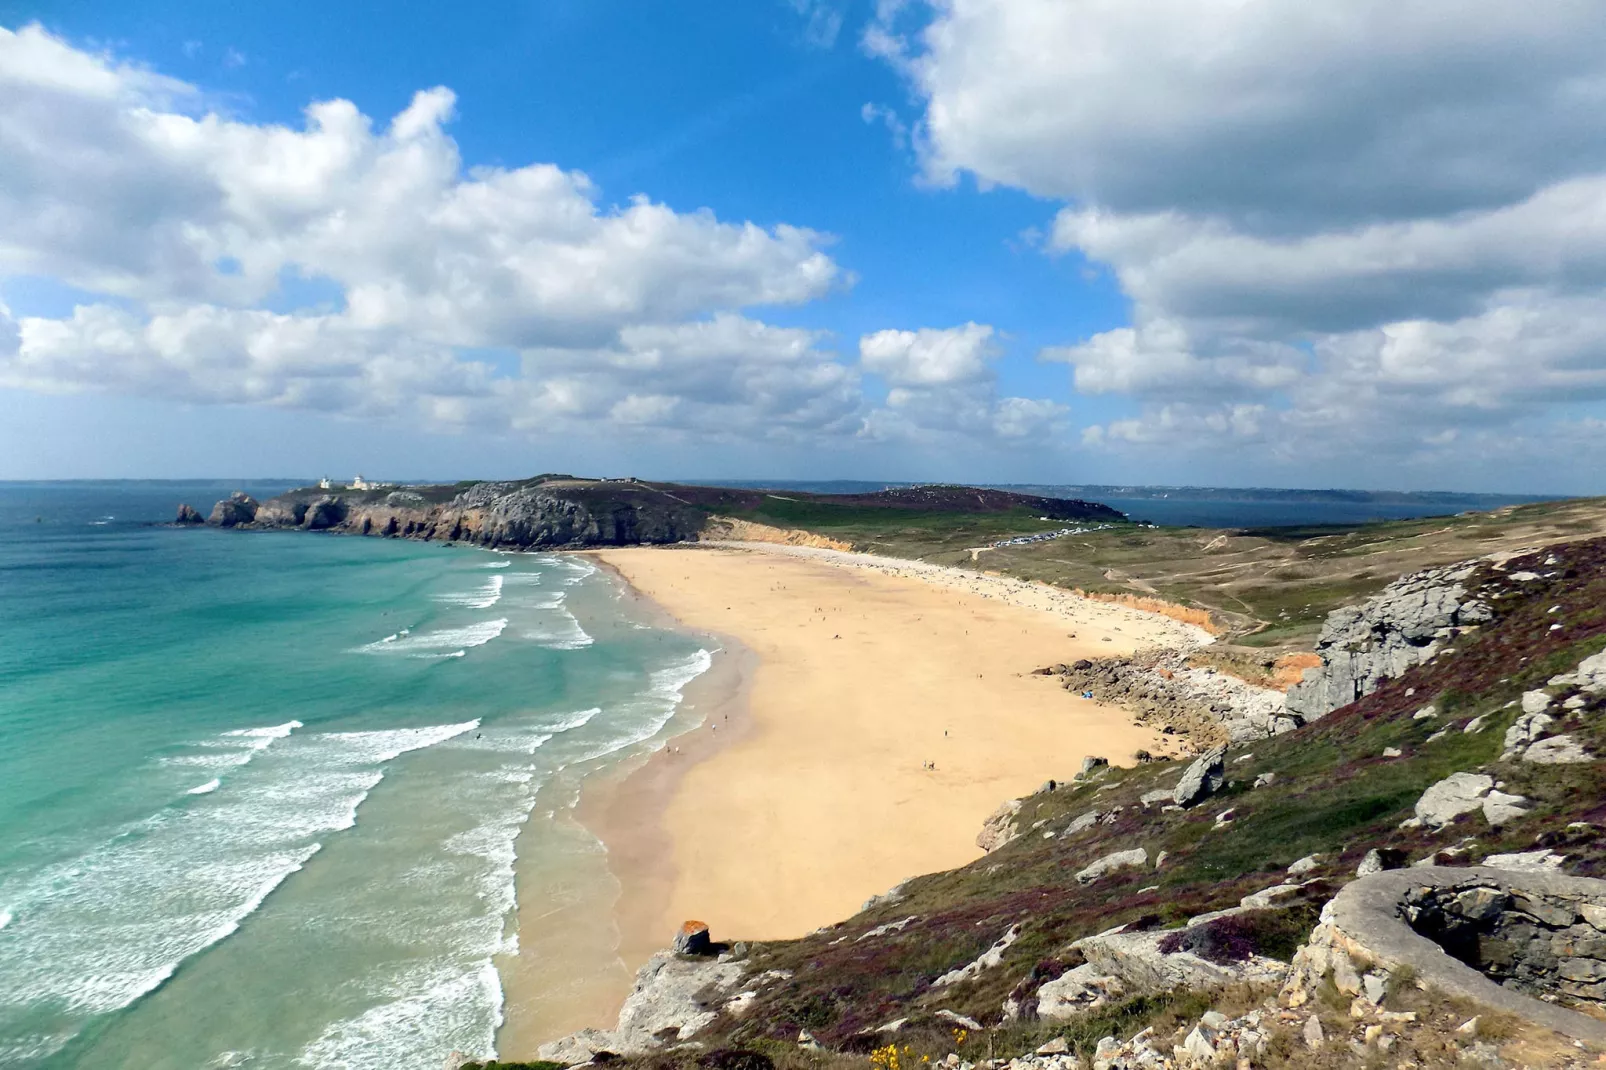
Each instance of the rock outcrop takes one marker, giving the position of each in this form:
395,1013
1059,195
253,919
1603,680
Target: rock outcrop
1000,827
1402,626
533,513
672,999
693,939
1202,778
1479,933
188,514
236,510
1162,688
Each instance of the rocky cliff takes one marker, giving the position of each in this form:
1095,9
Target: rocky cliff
1407,623
559,511
540,512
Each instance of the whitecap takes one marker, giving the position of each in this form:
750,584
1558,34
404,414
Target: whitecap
112,924
497,564
646,715
484,597
456,1009
207,788
445,639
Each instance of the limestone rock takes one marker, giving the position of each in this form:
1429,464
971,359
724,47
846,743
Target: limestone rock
1397,629
1535,702
1201,779
1083,823
1525,729
1379,859
1456,794
238,508
324,513
693,939
1137,856
1000,827
1305,865
188,514
985,961
673,997
1499,808
1592,673
1557,750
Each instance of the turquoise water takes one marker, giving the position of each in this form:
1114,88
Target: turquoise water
260,793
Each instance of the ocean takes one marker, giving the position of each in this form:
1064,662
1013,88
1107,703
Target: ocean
268,800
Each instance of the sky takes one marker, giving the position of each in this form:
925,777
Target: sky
1354,244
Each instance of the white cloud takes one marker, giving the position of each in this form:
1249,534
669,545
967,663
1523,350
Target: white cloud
186,223
1368,227
929,356
941,380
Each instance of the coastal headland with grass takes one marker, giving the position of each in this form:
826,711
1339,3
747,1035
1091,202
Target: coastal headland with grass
1072,784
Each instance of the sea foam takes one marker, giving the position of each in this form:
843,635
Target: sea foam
100,930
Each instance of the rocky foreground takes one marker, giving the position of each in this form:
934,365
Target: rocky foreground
1401,865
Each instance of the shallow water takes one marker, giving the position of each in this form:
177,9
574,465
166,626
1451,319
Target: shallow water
261,793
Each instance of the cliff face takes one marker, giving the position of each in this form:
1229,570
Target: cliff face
1404,625
531,513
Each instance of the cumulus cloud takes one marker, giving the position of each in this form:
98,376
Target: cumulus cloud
941,379
186,223
929,356
499,299
1368,226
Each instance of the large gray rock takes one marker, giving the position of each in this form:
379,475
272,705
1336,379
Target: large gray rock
1456,794
1399,628
238,508
999,828
1137,856
1203,778
324,513
672,997
188,514
1557,750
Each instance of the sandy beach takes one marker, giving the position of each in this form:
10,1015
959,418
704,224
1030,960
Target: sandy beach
888,707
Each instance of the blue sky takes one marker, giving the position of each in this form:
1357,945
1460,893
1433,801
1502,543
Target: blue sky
1039,242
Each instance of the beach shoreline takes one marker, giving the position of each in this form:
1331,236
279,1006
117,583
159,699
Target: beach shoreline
587,981
851,733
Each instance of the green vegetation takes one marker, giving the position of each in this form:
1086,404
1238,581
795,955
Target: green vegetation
1335,794
1272,587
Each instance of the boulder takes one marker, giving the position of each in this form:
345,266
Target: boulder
1137,856
238,508
1379,859
1456,794
1203,778
999,828
1091,764
693,939
1499,808
672,998
1557,750
188,514
1527,728
1535,702
324,513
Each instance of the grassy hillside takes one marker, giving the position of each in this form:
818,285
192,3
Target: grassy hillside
1335,793
1271,586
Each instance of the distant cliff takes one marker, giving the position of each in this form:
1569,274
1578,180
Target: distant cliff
559,511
